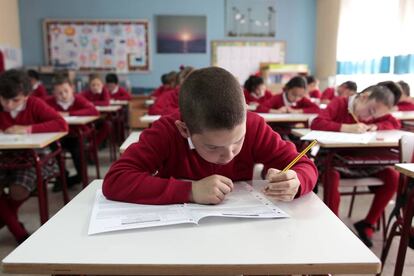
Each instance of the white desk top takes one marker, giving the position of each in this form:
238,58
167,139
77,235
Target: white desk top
149,118
80,120
406,168
149,102
287,118
383,138
29,141
108,108
312,241
119,102
403,115
132,138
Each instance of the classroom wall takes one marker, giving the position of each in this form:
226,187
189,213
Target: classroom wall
327,20
9,22
295,23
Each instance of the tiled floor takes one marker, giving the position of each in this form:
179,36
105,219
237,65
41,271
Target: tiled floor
29,216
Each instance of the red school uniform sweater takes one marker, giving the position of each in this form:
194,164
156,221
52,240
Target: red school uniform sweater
37,114
251,99
80,107
121,94
405,106
315,93
167,103
336,114
277,102
40,92
149,171
161,90
101,99
328,94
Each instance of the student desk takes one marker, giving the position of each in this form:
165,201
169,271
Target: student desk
76,123
30,143
119,102
389,140
112,114
149,102
313,241
406,169
132,138
149,118
404,115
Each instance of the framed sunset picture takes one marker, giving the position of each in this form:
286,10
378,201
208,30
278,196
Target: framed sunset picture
181,34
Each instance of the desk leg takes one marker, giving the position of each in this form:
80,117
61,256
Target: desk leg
326,185
42,193
405,234
62,172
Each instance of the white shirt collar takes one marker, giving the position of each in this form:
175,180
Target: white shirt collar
286,101
65,106
36,85
16,112
115,90
190,143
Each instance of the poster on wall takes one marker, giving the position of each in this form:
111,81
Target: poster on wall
12,56
94,45
181,34
250,18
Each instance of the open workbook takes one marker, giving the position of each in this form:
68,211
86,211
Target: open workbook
245,201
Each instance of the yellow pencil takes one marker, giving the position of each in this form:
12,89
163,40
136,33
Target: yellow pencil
354,116
299,156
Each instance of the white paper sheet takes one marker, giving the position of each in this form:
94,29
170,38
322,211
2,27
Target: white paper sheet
339,137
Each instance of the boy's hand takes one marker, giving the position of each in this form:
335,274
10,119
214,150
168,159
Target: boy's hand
354,128
293,110
282,186
64,114
211,189
16,129
283,109
372,127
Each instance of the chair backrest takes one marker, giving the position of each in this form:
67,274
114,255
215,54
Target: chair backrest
406,148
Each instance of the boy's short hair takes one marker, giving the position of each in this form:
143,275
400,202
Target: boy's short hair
380,93
33,74
60,79
295,82
171,77
253,82
351,85
111,78
13,83
405,88
94,76
394,88
310,79
210,99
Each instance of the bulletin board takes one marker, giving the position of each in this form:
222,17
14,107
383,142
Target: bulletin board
243,58
97,45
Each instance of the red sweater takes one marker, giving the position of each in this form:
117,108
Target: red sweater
336,114
121,94
251,99
40,92
277,102
37,114
149,171
80,107
161,90
328,94
405,106
101,99
167,103
315,93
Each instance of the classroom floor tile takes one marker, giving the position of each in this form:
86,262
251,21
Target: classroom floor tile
29,216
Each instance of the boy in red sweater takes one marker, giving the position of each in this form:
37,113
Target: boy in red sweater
67,103
346,89
38,89
291,100
371,107
406,103
22,114
116,92
168,83
313,87
97,92
255,91
211,141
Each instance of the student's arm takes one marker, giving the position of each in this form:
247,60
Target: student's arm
266,105
325,119
49,120
131,178
388,122
123,95
105,98
83,107
276,153
307,106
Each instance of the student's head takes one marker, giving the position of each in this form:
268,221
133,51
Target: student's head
395,88
63,89
295,89
164,79
255,85
33,76
347,89
95,83
405,89
213,114
373,102
312,82
112,81
171,79
183,74
14,89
